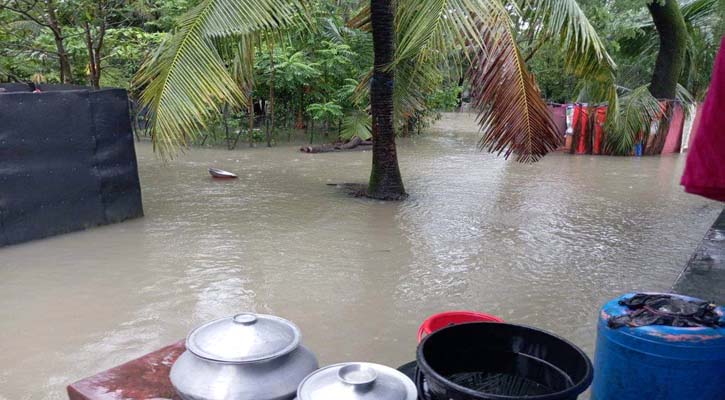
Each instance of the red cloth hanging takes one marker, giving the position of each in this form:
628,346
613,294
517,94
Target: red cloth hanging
583,129
575,116
599,129
705,168
674,133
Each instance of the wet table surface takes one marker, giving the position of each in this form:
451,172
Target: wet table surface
143,378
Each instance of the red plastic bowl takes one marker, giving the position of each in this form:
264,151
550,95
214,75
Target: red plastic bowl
448,318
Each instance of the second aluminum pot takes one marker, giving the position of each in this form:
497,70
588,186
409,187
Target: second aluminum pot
357,381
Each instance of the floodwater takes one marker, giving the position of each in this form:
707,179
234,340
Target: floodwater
543,245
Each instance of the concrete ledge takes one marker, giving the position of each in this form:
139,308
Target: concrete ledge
144,378
704,275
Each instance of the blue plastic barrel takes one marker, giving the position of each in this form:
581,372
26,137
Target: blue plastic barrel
658,362
639,149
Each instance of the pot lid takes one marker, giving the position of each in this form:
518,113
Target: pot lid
352,381
244,338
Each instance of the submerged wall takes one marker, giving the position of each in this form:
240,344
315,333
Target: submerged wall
67,161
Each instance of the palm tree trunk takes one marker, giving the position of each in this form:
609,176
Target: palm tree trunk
225,121
271,94
250,111
385,180
671,28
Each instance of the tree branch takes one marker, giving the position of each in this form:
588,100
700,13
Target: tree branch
25,13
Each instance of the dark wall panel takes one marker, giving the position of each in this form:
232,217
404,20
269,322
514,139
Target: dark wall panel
67,162
115,163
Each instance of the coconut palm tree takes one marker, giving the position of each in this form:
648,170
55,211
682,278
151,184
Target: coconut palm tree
385,179
683,53
679,39
186,80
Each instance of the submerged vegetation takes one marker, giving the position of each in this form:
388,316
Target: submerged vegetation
259,70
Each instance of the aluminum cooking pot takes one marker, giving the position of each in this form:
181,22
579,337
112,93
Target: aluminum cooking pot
244,357
357,381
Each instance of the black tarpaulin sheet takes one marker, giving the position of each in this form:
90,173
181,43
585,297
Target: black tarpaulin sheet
67,162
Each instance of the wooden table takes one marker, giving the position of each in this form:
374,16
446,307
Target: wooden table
144,378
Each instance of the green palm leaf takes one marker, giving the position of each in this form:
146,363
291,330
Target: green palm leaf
434,27
357,124
433,38
586,55
631,119
238,54
185,82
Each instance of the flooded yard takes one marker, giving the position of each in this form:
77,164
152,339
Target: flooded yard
542,245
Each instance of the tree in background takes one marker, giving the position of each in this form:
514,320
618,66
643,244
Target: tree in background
648,59
80,41
34,16
186,82
670,24
324,63
385,180
676,54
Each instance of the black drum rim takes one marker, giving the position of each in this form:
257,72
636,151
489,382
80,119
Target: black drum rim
578,387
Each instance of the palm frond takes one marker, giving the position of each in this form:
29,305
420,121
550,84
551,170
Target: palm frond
332,32
433,39
437,26
234,17
238,52
185,82
415,82
586,54
700,12
630,120
361,20
357,124
684,96
512,114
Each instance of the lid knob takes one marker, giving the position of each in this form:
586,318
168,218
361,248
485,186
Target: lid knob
245,319
360,376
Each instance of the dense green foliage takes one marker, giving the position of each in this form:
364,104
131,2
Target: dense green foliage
126,31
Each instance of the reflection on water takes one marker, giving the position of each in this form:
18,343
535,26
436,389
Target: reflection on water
541,244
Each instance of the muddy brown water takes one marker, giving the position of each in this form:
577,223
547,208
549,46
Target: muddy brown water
543,245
